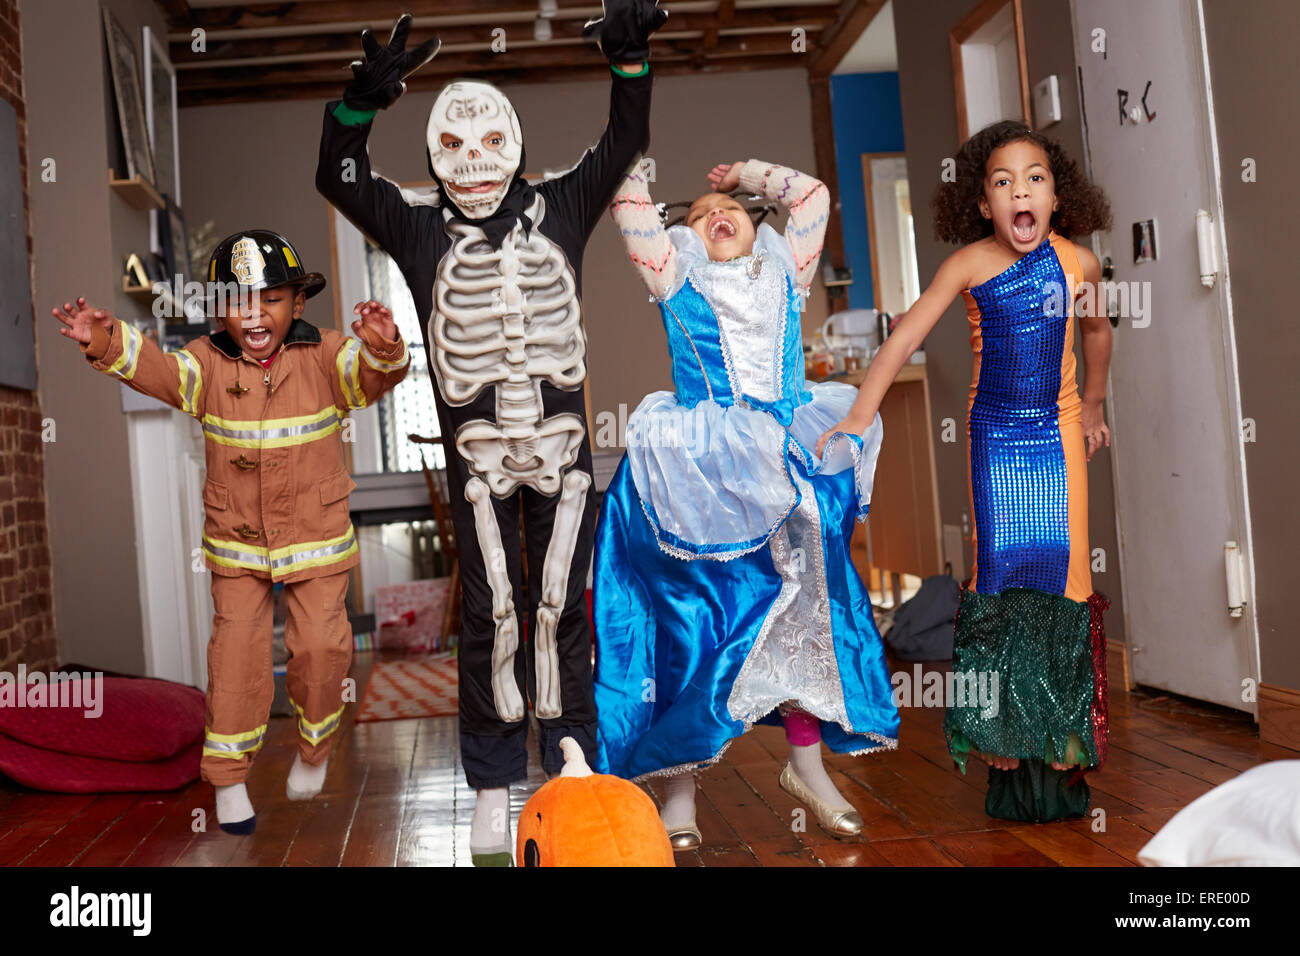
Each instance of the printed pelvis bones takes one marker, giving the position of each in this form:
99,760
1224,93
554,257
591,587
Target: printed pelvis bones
509,318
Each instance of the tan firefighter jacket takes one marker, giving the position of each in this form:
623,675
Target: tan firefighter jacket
276,495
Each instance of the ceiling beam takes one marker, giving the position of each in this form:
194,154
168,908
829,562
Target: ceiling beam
595,72
378,13
474,63
348,45
836,40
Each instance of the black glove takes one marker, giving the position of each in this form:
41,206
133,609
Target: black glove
623,33
377,82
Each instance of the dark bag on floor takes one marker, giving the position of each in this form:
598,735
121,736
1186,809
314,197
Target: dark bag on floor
923,625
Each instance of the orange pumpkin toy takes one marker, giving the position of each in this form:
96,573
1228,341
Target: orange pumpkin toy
583,818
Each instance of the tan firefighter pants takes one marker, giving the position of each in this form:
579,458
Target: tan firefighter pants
240,685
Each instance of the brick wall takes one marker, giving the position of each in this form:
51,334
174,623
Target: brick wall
26,612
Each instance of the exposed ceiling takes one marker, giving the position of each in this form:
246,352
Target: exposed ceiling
293,50
875,51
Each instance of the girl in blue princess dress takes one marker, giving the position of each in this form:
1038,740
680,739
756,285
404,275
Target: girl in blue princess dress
724,590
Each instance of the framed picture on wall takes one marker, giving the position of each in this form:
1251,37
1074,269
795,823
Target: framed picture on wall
130,105
175,246
160,114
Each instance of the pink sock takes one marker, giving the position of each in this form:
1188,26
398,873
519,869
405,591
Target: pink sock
802,728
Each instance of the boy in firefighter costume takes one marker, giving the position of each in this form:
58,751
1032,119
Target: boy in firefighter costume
496,270
271,392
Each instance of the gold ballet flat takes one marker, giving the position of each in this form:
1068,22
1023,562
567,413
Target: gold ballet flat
841,821
685,837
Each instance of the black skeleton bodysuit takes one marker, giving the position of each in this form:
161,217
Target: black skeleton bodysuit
501,301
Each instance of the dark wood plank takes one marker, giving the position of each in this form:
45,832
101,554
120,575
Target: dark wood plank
52,816
82,830
917,851
1067,847
991,848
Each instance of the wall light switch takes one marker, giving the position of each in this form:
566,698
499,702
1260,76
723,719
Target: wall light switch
1047,102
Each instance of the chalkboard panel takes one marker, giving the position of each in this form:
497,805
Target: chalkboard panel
17,348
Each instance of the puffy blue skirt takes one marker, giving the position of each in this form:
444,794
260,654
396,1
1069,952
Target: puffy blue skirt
692,649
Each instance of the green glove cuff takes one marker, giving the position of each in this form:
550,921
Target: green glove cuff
645,68
350,117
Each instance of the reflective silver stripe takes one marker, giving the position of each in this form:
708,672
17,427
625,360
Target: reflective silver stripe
348,371
330,726
250,557
130,353
289,560
191,377
242,746
264,434
384,365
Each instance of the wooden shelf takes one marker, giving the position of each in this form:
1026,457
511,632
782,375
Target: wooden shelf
137,291
138,192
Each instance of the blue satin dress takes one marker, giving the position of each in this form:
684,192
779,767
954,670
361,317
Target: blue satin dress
724,590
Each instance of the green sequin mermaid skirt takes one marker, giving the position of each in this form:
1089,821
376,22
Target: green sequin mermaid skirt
1033,666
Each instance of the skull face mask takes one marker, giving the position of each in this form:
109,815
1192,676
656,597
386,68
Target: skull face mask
475,144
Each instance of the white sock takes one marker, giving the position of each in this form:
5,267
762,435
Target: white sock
305,781
806,761
489,829
233,805
679,804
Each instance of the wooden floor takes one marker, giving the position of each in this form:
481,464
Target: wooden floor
395,795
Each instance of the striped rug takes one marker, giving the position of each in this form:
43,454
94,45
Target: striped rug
418,687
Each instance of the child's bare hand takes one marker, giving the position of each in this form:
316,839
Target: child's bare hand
1095,432
725,176
377,317
849,426
79,320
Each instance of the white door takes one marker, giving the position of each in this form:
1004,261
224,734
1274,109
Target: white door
1174,402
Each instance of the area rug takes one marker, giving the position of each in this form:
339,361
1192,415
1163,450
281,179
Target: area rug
417,687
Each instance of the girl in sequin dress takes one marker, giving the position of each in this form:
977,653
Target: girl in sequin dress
1029,618
724,590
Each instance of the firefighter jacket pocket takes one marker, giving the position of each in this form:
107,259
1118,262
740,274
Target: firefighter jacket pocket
215,495
334,491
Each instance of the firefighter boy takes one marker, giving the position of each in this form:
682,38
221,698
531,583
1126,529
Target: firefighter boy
271,392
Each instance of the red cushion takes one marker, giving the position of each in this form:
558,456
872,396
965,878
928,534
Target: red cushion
43,769
141,720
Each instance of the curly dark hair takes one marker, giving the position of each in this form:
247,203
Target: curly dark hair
955,205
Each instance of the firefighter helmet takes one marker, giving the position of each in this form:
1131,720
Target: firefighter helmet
258,259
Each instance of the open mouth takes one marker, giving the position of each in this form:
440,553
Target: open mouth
486,186
721,229
1024,226
257,338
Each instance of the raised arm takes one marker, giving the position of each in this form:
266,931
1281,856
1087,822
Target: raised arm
119,349
912,328
623,35
807,200
343,173
363,369
648,245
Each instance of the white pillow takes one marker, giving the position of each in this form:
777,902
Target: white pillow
1252,820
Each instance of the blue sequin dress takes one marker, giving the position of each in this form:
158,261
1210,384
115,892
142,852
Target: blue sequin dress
1029,618
724,589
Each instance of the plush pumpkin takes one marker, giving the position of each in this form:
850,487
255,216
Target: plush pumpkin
590,819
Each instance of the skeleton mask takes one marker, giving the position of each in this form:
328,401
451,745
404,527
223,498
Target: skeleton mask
475,144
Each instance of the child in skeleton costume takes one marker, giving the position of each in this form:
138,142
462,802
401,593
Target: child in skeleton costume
725,594
497,271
